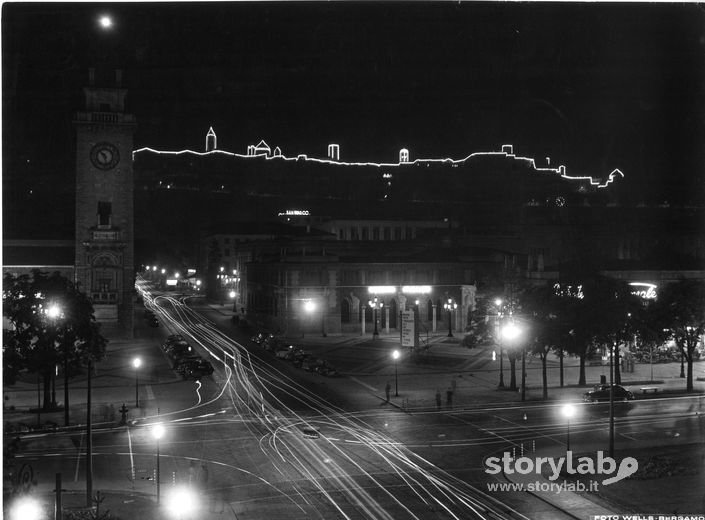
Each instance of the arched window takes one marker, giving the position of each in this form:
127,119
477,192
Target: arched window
345,311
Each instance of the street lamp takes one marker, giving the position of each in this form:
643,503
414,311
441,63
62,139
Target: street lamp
137,363
309,307
510,332
568,411
181,502
498,304
26,508
158,433
395,356
55,312
375,304
450,306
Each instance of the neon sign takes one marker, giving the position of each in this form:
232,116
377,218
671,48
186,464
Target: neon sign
647,291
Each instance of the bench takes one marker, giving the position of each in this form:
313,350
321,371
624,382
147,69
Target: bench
647,389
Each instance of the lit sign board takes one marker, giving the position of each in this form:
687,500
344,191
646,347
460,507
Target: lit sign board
647,291
171,281
382,289
416,289
409,334
572,291
294,213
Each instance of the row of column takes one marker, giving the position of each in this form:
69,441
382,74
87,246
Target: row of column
456,315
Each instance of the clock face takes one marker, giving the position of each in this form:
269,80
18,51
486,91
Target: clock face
105,156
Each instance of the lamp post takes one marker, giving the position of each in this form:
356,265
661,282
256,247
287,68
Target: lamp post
221,287
450,306
54,313
568,411
611,423
510,332
375,304
158,433
395,356
309,307
137,363
89,436
498,304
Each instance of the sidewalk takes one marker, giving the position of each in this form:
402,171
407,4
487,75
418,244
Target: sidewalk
473,376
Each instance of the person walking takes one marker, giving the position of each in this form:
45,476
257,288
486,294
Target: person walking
387,389
438,399
449,398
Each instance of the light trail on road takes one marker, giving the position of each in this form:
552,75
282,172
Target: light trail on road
367,474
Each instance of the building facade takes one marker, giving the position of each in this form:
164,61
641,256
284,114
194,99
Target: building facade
104,238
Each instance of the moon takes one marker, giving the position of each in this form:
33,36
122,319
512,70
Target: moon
105,22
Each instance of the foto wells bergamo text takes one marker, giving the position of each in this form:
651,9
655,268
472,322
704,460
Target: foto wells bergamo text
648,517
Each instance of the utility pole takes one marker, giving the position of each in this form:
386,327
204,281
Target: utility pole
611,405
89,442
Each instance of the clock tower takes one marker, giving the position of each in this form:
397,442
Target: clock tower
104,261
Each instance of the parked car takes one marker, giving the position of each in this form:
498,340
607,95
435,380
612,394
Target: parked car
269,342
299,357
181,363
310,364
327,370
196,369
286,352
195,373
173,340
179,350
601,393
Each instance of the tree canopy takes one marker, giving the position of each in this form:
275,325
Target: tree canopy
52,323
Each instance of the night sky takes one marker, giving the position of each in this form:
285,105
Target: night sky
594,86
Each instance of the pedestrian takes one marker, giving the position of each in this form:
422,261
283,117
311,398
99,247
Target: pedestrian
387,389
453,384
449,398
438,399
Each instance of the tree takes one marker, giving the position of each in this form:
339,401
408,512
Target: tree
596,311
680,309
52,324
547,329
614,304
479,329
650,326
